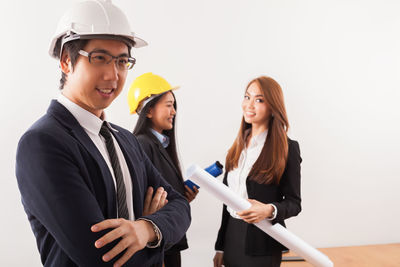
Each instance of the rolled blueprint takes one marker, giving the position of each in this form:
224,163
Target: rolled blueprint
277,231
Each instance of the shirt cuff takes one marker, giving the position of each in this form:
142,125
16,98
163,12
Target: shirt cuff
274,213
219,251
157,242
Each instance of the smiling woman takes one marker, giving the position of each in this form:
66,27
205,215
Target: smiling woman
263,165
338,63
152,97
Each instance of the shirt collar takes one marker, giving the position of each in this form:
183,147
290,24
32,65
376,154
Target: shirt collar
164,140
257,140
260,138
86,119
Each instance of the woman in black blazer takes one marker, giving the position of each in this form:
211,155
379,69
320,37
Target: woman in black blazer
263,165
155,131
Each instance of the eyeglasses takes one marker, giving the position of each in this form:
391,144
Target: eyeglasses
101,58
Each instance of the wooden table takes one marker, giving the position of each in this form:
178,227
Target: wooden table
362,256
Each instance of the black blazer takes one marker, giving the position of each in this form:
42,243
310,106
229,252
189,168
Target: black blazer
66,187
286,198
158,155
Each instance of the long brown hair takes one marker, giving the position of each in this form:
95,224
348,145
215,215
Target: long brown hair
271,163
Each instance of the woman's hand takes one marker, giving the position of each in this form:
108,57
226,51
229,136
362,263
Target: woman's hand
191,193
257,212
218,259
153,204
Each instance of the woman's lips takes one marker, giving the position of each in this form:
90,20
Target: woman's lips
249,114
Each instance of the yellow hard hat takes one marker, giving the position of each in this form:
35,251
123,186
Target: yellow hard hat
145,86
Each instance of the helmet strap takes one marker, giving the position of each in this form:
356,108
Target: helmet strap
145,102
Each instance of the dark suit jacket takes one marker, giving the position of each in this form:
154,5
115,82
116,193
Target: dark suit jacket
163,162
66,187
286,198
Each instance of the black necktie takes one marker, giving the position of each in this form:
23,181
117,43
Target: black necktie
121,193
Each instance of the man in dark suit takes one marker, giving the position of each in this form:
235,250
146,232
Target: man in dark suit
83,180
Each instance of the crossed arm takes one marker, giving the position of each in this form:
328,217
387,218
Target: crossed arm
58,194
134,235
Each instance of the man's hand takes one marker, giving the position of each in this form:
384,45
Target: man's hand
153,204
135,236
257,212
218,259
191,194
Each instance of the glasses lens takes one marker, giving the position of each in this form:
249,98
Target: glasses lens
99,58
123,62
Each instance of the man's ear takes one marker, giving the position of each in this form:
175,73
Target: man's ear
65,63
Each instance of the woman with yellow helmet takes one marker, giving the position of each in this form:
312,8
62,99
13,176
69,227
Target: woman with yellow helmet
151,97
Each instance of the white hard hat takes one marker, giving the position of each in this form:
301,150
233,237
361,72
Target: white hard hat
93,18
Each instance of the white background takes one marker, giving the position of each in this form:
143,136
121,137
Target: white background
338,63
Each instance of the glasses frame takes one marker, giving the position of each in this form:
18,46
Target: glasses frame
131,60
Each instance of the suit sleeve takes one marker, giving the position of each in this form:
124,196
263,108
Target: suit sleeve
54,192
290,185
173,219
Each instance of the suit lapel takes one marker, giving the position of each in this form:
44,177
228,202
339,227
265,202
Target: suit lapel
68,120
164,153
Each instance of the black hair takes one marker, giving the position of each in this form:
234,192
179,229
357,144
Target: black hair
72,48
143,126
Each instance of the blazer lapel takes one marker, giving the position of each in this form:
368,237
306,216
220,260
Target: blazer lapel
164,153
68,120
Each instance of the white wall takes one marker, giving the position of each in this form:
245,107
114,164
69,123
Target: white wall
337,61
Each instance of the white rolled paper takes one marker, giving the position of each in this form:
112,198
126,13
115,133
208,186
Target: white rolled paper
277,231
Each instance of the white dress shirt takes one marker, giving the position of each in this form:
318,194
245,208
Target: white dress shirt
92,124
237,177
